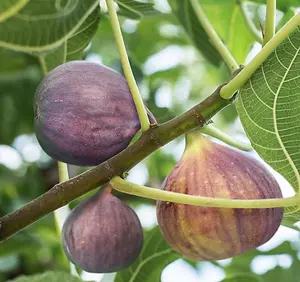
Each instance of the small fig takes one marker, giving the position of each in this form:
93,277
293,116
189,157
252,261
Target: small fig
212,170
84,113
102,234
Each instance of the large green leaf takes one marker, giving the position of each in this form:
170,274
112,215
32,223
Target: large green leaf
268,106
73,48
50,276
155,256
187,17
228,22
41,27
243,277
135,9
9,8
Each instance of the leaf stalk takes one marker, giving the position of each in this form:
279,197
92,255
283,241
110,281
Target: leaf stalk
213,36
270,21
241,78
220,135
156,194
249,23
141,110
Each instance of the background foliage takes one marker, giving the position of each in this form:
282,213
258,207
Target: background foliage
175,66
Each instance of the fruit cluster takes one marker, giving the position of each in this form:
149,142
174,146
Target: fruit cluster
85,115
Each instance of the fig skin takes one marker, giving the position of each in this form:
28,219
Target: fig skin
212,170
84,113
102,234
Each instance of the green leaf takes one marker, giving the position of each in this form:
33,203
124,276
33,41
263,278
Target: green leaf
83,36
8,8
187,17
228,22
283,274
136,10
37,28
73,48
243,277
49,276
268,106
18,244
290,218
155,256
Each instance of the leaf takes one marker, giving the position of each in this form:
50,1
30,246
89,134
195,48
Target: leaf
283,274
136,10
37,28
8,8
17,87
73,48
83,36
228,22
49,276
268,106
187,17
18,244
243,277
155,256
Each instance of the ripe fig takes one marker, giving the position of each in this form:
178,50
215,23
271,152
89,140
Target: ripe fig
102,234
84,113
213,170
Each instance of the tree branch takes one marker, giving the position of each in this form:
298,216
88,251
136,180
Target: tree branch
150,141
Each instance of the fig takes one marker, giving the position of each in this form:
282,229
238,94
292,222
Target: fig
102,234
213,170
84,113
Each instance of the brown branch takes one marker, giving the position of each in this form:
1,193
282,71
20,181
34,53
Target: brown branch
150,141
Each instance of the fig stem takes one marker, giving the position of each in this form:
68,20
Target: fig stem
213,36
220,135
241,78
141,110
270,21
249,23
156,194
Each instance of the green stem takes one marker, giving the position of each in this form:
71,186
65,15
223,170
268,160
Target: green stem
270,21
62,213
141,110
219,134
156,194
63,173
240,79
213,36
249,23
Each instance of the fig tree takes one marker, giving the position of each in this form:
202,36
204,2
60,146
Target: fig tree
213,170
84,113
102,234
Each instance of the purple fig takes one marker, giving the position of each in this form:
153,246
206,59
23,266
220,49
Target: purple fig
84,113
102,234
212,170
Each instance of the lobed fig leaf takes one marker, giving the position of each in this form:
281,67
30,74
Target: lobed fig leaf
84,113
102,234
213,170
